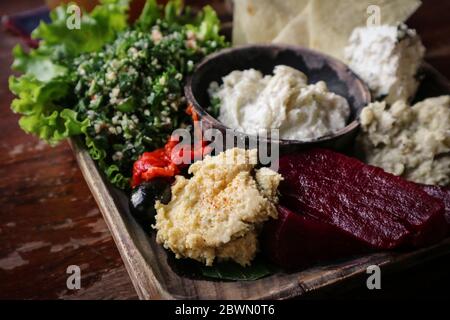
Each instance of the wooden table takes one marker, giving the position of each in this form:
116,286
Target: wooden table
49,220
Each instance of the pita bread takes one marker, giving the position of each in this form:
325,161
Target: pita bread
239,36
262,20
296,32
332,22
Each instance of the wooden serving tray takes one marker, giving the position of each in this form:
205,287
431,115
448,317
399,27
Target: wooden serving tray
153,277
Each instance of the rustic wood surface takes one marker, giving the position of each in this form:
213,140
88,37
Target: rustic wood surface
49,219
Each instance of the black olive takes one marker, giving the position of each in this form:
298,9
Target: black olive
144,196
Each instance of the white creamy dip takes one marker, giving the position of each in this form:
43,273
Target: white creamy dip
387,59
253,103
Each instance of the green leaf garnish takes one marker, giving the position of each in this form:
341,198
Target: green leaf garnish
233,271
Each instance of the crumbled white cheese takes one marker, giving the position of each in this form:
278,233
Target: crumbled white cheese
387,58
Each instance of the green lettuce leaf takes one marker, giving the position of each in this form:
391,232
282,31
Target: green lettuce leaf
45,89
233,271
42,114
210,25
55,127
96,28
173,11
207,27
112,172
114,175
37,64
150,13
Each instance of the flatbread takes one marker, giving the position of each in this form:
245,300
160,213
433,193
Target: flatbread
332,22
239,36
296,32
262,20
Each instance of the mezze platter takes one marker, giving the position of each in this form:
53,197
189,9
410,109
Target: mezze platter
153,277
335,166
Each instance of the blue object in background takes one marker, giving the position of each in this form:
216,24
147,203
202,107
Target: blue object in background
23,23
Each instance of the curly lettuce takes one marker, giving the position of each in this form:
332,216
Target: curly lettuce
97,28
44,93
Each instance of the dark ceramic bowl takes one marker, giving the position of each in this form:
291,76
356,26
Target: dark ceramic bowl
264,58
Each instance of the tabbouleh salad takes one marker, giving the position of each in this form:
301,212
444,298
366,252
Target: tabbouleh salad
119,86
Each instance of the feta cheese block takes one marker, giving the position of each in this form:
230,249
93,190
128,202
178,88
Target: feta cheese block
219,212
387,58
409,141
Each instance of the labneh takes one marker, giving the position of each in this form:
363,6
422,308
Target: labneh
219,211
387,58
254,103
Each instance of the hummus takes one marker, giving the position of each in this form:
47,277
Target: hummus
219,211
412,142
254,104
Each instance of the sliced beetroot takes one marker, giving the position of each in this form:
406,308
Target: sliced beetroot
295,240
378,208
441,193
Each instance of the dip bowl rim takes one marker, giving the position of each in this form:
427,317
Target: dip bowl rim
204,115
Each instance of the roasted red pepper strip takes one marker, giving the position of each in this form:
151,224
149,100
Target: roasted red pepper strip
159,163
